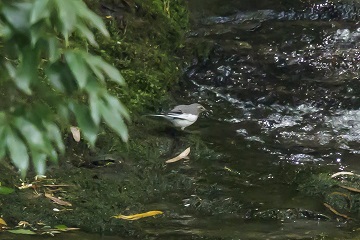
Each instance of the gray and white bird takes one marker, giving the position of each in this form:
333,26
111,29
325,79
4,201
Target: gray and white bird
183,115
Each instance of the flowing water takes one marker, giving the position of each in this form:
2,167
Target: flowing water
281,81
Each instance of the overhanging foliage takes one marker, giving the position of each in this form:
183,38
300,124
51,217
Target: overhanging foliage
44,82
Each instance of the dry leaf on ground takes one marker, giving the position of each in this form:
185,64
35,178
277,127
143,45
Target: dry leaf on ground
340,194
25,186
344,173
336,212
2,222
24,224
75,133
57,200
350,188
182,155
57,185
138,216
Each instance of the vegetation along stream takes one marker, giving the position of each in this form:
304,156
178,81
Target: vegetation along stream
280,80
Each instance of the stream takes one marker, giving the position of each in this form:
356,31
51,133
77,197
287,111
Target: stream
281,83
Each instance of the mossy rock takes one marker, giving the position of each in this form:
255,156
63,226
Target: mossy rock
146,37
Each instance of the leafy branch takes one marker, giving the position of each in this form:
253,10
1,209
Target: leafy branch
44,82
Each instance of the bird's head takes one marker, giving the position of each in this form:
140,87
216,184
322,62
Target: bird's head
200,108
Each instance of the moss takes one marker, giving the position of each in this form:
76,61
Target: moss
200,49
145,39
317,185
341,193
136,180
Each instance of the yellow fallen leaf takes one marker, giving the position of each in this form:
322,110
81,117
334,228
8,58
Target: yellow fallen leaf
336,212
138,216
231,170
75,131
182,155
2,222
350,188
341,194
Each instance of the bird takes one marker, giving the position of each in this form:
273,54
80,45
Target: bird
182,115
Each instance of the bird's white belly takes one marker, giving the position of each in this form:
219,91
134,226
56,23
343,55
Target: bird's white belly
190,119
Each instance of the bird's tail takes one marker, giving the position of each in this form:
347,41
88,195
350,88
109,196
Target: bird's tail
159,115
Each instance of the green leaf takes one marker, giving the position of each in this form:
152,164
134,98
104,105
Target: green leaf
54,52
6,190
39,11
5,30
27,70
17,14
22,231
87,126
112,72
37,33
95,109
39,161
85,31
61,78
53,156
32,134
54,134
91,61
114,120
38,113
61,227
100,65
117,105
11,69
63,113
18,151
90,17
3,134
95,87
78,67
66,16
54,74
3,118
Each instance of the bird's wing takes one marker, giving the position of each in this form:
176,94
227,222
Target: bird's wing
176,115
183,116
170,115
178,108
